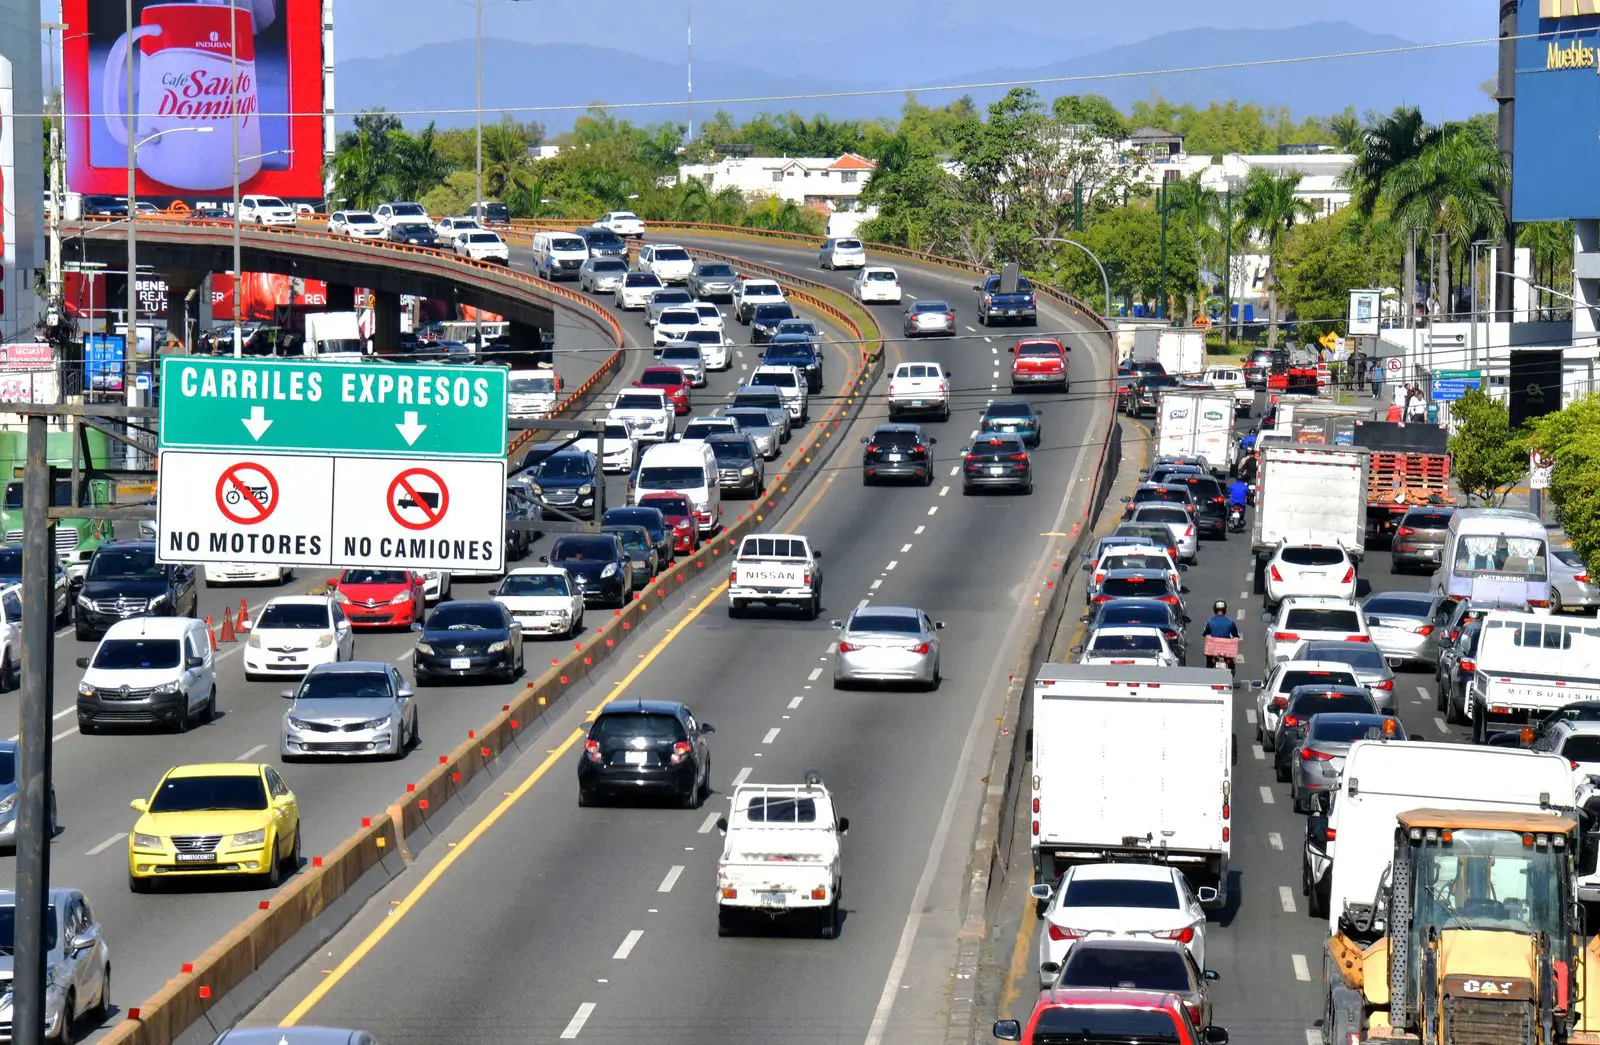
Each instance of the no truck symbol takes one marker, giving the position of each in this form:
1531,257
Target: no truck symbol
418,499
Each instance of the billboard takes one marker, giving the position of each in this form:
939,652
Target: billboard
1557,147
1534,384
199,68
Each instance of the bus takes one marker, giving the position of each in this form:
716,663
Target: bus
1496,557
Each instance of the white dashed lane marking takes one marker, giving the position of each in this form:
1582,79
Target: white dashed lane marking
1302,971
107,844
915,533
708,823
579,1018
772,734
1439,723
933,510
892,564
1285,899
672,876
249,754
1274,839
1267,797
816,673
742,776
629,942
796,701
904,548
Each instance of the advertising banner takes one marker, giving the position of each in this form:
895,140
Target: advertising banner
1534,384
1365,311
199,68
263,293
1558,94
103,362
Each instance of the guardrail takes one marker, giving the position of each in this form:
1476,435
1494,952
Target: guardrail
233,975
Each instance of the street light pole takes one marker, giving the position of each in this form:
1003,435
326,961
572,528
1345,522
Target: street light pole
1161,204
131,341
1103,278
1227,265
238,249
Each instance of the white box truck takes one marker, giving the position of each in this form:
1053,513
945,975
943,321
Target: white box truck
1178,351
1132,763
1199,423
1384,778
1309,495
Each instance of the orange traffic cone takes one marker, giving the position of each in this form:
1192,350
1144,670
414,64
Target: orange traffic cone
211,633
227,627
244,616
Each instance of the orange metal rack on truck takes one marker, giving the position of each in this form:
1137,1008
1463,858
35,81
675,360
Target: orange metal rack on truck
1410,467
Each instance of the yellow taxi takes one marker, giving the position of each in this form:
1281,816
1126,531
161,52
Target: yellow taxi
219,818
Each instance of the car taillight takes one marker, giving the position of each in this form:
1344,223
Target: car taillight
1099,576
921,647
1184,935
848,647
1275,574
680,751
1357,638
1426,629
1286,636
1468,665
1406,531
591,750
1170,600
1188,531
1349,575
1291,721
1311,754
951,316
805,578
1385,684
1019,457
1279,703
872,448
1059,933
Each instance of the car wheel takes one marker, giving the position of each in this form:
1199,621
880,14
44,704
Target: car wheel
1555,602
1280,769
726,923
210,713
8,679
272,877
139,885
185,717
1316,901
1441,698
586,798
292,862
69,1007
102,1005
830,921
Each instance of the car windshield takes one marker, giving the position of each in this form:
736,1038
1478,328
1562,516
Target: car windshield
188,794
293,615
670,477
1308,619
1141,968
1085,1025
608,265
714,270
8,928
732,451
627,401
634,540
996,448
412,228
584,547
1036,348
1136,561
1126,644
898,623
360,218
671,377
138,654
531,385
119,564
773,314
646,517
565,466
375,577
1136,587
685,353
1362,656
671,254
1163,515
1426,520
1400,604
269,201
678,317
458,616
898,439
701,429
675,505
700,337
481,237
1335,729
1291,679
1120,892
641,279
569,243
1124,613
1489,554
346,685
532,584
1311,556
880,276
929,306
625,725
1009,411
773,379
750,418
1319,700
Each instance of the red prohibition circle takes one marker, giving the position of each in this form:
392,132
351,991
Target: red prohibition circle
432,513
235,492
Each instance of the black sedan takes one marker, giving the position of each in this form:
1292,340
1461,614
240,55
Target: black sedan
764,321
1012,417
897,451
652,519
472,638
646,747
412,233
997,462
641,552
1150,613
599,563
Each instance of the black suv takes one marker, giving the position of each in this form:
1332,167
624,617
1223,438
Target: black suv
897,451
1210,503
646,747
124,580
765,319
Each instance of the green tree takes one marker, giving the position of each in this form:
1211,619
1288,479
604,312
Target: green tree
1571,438
1384,145
1322,261
1196,214
1127,240
1488,457
1271,208
1549,245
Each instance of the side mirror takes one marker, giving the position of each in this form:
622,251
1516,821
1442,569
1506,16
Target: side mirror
1126,500
816,553
1042,891
866,439
1256,684
1267,618
1211,976
707,728
976,287
1317,831
1207,894
416,625
85,940
844,825
405,694
194,662
949,373
287,694
1012,350
932,441
83,662
139,805
722,825
1214,1036
1008,1030
1050,968
1077,650
836,624
544,559
938,625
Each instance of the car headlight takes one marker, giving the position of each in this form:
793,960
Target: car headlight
610,570
747,471
424,648
8,803
164,688
339,596
538,491
255,837
158,600
84,600
143,841
85,690
499,647
255,641
585,490
376,723
404,596
323,641
298,723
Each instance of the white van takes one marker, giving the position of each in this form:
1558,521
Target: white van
686,468
1496,557
149,671
558,255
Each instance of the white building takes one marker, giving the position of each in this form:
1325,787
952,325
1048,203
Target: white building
1166,160
832,183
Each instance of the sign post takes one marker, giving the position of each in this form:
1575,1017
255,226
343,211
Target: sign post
1541,467
1450,385
332,464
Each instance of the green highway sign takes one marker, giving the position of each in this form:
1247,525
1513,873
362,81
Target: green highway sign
309,407
1458,375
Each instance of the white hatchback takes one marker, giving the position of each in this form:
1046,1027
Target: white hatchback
1127,646
294,633
1310,569
1272,693
1139,901
543,599
877,285
1302,619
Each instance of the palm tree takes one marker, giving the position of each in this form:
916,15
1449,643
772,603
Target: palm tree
417,165
359,172
1389,143
505,160
1550,245
1270,207
1196,211
1451,187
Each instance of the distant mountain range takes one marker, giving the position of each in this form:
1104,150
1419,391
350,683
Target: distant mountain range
1443,82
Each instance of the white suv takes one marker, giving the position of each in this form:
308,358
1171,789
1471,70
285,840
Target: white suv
877,285
401,214
845,252
791,385
265,210
1309,569
667,260
154,671
1303,619
356,224
483,245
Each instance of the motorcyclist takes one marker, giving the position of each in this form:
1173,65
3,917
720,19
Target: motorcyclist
1220,626
1238,493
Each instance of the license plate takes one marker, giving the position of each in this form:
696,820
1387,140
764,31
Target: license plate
916,402
285,659
774,899
891,457
460,663
634,758
197,858
996,469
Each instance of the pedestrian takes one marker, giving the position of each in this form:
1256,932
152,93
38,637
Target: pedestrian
1358,369
1377,378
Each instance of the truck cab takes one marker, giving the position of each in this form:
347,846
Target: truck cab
75,539
781,856
774,569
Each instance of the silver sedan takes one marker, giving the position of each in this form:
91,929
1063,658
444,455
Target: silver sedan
1570,586
1407,625
887,644
358,707
929,317
1175,518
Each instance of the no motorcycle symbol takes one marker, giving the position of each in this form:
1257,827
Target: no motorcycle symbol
418,499
247,493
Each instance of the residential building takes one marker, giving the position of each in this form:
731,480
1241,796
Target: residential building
829,183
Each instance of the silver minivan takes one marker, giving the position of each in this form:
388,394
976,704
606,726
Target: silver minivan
842,252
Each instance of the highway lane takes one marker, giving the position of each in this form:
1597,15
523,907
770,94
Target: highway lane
1264,943
151,936
607,914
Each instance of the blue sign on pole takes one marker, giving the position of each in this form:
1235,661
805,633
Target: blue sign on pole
1448,390
103,356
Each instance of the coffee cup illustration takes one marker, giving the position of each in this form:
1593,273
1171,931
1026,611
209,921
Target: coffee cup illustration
194,67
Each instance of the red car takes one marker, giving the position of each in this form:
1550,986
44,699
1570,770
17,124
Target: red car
1111,1016
670,380
1039,361
679,514
380,598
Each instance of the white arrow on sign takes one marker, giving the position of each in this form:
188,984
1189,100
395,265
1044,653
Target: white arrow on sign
257,422
409,429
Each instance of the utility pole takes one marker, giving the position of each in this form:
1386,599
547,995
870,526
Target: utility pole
1506,105
689,41
1227,265
1161,205
130,343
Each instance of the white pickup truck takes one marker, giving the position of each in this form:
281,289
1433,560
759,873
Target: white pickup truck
773,569
781,857
918,388
748,293
1529,664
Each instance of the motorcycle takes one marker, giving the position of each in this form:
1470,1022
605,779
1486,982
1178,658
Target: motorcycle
1235,518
